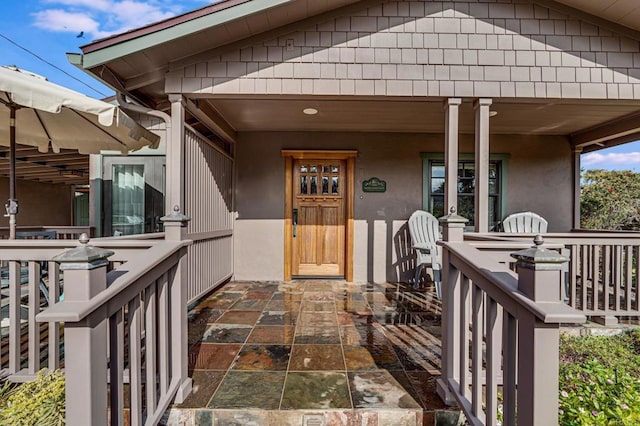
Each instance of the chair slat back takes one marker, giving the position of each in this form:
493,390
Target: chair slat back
524,223
423,227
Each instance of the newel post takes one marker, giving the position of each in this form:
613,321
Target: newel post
85,275
175,230
540,279
453,231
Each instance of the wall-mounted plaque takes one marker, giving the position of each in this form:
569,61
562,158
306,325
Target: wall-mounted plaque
374,185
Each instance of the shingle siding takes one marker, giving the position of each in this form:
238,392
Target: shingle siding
454,48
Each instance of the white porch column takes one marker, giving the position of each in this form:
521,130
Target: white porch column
577,151
175,156
451,107
481,219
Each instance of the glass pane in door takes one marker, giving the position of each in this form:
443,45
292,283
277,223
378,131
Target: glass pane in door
127,194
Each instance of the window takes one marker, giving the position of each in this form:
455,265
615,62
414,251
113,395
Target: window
128,199
433,194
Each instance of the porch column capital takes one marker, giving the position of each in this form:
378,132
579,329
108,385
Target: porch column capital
175,97
482,102
451,102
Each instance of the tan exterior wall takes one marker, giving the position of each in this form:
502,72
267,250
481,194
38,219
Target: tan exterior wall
461,48
39,203
538,166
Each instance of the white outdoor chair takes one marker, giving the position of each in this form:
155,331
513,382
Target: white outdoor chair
524,223
532,223
425,231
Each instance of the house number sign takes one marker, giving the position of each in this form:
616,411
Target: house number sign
374,185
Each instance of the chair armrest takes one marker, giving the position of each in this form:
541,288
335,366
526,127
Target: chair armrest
423,247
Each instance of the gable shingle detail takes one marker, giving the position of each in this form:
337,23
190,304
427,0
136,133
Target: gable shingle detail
456,48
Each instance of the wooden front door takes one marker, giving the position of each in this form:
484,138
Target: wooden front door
318,217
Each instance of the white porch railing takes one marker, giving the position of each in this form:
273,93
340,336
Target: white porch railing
501,329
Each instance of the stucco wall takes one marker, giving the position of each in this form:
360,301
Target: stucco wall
539,179
39,203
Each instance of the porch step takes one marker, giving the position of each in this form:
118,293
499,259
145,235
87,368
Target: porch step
400,417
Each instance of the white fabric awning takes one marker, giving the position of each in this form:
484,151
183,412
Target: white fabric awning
51,115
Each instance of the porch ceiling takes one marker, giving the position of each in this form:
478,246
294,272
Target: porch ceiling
550,117
67,166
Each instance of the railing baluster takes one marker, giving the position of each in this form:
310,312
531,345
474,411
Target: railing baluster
597,261
573,277
34,309
476,351
116,367
584,274
163,338
465,304
493,361
53,349
135,358
15,317
628,275
606,281
636,305
509,360
150,347
617,290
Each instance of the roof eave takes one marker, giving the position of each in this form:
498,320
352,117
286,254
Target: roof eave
125,44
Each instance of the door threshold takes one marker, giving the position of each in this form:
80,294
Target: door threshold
317,277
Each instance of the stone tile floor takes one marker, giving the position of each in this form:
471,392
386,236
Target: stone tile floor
313,353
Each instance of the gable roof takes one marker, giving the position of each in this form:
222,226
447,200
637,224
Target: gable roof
141,58
619,13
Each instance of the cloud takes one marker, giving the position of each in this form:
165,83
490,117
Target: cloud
79,4
135,14
101,18
611,159
63,21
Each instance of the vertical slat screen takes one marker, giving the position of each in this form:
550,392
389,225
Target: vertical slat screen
208,201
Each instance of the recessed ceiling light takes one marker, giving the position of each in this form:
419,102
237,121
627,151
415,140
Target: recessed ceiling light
493,113
310,111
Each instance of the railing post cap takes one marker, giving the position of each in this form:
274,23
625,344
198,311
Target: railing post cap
85,256
176,217
538,257
453,220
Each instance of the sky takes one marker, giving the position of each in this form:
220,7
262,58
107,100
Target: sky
51,28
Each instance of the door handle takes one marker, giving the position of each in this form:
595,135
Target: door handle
295,221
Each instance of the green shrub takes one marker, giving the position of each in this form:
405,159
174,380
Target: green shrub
599,380
39,402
